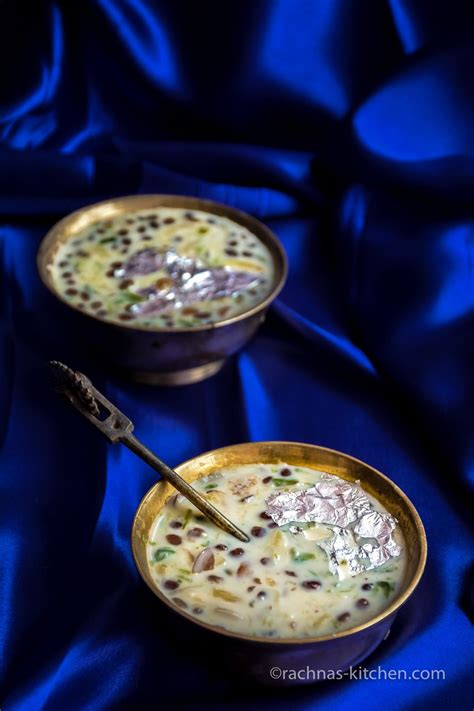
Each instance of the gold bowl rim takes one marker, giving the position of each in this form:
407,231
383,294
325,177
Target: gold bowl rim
390,610
146,201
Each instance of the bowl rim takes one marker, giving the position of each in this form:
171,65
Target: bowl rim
384,615
213,207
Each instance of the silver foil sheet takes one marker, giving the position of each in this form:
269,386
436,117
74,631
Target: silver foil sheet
146,261
360,536
186,282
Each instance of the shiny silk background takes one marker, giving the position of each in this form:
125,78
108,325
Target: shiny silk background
347,126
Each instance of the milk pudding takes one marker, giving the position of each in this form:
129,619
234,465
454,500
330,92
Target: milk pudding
295,580
164,268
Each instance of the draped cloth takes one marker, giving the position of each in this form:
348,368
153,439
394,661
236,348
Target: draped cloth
348,127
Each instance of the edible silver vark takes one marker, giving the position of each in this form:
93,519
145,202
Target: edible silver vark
360,537
187,280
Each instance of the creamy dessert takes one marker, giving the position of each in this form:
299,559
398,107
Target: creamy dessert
164,268
323,555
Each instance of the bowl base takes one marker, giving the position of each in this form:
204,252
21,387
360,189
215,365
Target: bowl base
178,377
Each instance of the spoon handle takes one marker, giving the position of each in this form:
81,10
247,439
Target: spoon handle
117,427
130,441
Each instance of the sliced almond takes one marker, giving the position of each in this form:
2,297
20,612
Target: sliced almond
226,612
277,542
204,561
317,533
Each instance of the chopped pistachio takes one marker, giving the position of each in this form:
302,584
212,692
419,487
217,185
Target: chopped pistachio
283,482
162,553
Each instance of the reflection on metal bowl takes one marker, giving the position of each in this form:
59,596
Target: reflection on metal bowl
339,651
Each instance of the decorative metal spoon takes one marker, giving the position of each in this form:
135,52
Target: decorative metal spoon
80,392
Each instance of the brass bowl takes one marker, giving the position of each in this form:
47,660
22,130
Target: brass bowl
164,356
329,653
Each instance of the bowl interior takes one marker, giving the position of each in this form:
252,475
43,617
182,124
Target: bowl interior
70,226
331,461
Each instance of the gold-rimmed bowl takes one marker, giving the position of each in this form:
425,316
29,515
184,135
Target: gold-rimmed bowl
330,653
163,356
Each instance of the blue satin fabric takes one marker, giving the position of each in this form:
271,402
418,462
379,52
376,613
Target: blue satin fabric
347,126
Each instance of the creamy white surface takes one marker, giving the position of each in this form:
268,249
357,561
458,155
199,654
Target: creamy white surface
279,584
88,269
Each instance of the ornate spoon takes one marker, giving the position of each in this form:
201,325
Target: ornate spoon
80,392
